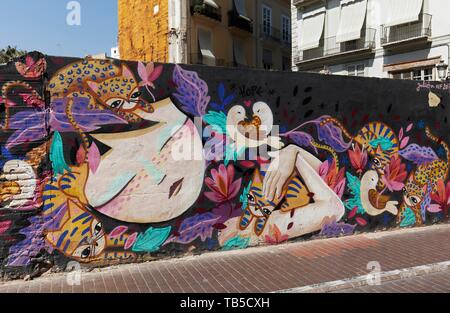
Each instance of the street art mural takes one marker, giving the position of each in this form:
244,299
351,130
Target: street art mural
108,161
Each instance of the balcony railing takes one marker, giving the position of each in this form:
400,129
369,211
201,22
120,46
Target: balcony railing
329,47
305,2
203,8
270,33
235,20
410,31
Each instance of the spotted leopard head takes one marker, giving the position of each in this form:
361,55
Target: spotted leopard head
413,193
120,94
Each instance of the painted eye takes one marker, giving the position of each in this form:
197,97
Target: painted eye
116,104
97,229
251,198
404,189
267,211
376,162
136,95
414,200
86,253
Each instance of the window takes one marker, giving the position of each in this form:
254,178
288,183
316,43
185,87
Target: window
267,20
286,63
267,59
428,74
419,74
239,5
239,52
286,29
205,44
356,70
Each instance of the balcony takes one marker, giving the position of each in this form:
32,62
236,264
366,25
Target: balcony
416,32
329,48
270,33
239,22
203,8
304,3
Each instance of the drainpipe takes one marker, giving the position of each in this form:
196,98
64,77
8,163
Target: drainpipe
256,33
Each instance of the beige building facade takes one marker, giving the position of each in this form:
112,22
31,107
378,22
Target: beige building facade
231,33
400,39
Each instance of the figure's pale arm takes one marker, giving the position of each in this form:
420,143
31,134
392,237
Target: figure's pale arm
313,181
282,167
306,219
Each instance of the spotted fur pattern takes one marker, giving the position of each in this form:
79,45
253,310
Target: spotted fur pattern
422,181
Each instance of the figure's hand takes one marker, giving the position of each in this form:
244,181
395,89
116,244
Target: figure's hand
280,169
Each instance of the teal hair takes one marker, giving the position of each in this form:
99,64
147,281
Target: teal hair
59,164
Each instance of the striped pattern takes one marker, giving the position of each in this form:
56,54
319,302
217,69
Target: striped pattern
376,132
294,196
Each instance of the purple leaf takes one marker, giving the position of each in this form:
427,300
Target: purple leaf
331,135
88,120
28,118
335,229
227,211
302,139
30,134
192,92
400,135
418,154
197,226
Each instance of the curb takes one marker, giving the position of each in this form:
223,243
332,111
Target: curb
361,281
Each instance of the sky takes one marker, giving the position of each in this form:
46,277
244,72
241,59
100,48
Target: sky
42,25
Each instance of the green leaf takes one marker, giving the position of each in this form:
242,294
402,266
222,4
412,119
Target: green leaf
217,120
383,142
409,218
237,242
151,240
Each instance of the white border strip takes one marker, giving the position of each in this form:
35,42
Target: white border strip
364,280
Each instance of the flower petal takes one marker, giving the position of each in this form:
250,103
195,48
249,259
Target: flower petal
234,188
142,71
155,73
214,197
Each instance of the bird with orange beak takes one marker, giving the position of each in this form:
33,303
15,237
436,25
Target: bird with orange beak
252,130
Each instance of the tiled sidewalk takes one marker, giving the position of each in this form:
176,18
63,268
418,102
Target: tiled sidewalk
264,269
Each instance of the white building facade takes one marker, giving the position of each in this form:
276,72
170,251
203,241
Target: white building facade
402,39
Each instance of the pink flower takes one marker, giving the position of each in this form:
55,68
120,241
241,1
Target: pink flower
441,197
358,158
275,236
31,69
149,73
394,174
221,183
334,177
